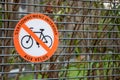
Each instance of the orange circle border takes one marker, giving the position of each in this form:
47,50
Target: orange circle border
21,52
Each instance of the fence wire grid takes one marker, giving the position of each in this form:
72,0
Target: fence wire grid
89,40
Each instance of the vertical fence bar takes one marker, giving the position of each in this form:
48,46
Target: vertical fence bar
114,36
88,41
3,17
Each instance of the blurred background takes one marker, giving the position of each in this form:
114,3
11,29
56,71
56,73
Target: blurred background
89,40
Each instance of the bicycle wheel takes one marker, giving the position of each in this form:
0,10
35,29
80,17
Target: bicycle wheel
27,41
48,41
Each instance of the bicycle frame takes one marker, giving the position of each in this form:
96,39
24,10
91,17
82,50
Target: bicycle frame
41,36
45,38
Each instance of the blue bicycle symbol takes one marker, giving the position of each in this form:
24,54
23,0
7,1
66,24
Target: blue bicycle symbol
27,40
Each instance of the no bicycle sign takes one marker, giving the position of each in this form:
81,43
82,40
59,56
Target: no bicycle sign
35,37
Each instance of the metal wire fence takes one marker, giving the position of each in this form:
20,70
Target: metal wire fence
89,40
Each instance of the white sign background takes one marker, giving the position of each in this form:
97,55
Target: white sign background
37,24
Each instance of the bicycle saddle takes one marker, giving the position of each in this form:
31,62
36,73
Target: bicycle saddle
42,29
31,27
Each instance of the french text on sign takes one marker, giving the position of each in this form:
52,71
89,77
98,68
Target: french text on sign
36,37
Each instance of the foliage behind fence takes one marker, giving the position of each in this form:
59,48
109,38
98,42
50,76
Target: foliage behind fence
89,44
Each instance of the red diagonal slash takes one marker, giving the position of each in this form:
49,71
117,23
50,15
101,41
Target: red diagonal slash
35,37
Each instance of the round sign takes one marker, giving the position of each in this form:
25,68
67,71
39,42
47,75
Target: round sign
36,37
